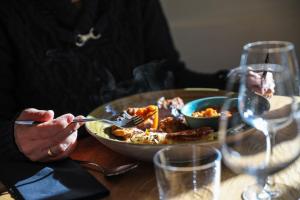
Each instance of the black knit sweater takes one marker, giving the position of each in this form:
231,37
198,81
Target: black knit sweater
42,67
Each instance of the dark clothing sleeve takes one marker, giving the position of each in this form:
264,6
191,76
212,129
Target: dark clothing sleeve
8,148
159,45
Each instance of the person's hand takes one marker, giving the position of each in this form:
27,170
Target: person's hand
261,84
51,140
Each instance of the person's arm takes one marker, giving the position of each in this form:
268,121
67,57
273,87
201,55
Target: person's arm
159,46
49,141
8,110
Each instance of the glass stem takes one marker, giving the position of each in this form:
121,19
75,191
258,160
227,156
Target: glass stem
261,193
269,182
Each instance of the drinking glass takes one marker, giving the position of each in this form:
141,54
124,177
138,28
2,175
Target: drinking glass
272,52
262,137
188,172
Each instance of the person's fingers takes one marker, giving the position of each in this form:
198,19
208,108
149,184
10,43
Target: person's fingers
59,122
253,79
50,129
36,115
254,82
71,147
24,134
63,155
68,151
56,135
80,117
47,152
60,144
57,149
61,150
63,135
37,137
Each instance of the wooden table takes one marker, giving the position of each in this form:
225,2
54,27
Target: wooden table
140,183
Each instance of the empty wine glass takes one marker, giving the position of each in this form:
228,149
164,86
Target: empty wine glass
250,144
271,52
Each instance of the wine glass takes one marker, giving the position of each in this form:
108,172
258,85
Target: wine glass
271,52
259,140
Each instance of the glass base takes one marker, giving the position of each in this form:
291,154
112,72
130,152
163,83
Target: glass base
278,192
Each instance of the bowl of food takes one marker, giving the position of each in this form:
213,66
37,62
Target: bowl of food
207,111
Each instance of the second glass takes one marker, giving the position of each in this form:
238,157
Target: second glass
188,172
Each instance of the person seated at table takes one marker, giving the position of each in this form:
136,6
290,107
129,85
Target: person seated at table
60,57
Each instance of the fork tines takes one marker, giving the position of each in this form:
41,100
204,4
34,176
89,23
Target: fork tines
137,120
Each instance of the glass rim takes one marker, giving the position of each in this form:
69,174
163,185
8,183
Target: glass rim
201,167
287,46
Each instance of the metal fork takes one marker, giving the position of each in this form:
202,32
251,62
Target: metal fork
123,121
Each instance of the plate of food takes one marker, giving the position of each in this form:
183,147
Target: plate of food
166,125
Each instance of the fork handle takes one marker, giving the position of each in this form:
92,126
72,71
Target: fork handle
86,120
27,122
30,122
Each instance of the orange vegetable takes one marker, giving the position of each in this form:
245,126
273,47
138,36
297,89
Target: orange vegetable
146,113
155,119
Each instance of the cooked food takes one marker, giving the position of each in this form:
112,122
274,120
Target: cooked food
149,137
126,133
268,93
208,112
136,135
166,126
192,134
147,113
172,124
169,107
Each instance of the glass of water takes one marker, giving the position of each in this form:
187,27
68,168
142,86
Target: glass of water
188,172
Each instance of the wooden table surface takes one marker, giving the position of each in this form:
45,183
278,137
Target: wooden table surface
140,183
